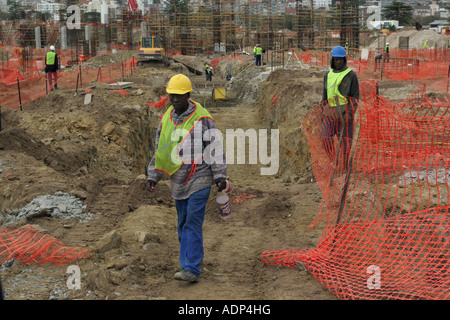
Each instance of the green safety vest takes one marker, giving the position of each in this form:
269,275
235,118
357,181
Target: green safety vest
258,50
334,79
172,137
51,58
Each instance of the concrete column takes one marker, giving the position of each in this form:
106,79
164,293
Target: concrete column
63,37
143,29
37,36
87,32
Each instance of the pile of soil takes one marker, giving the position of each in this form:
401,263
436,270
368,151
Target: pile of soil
416,39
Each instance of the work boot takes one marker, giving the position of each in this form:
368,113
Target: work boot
186,275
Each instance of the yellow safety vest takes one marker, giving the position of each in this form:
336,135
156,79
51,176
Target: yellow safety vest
334,79
172,137
50,58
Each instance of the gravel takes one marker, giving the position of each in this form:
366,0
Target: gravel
61,205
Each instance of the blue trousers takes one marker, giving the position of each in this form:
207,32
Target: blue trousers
191,214
258,59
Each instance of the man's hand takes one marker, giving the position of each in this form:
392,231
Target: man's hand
151,185
221,185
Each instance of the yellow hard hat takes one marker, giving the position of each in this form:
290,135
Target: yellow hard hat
179,84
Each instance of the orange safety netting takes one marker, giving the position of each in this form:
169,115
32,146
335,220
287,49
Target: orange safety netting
27,244
161,104
410,65
17,90
386,209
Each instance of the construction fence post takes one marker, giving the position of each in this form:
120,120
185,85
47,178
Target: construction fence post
20,98
81,77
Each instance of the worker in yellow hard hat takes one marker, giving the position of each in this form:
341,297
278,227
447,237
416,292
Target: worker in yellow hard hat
184,142
208,72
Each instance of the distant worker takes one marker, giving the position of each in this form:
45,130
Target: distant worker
378,58
51,68
340,102
258,53
425,44
386,52
193,165
208,72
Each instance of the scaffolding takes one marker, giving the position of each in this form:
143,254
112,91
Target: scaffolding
221,27
224,26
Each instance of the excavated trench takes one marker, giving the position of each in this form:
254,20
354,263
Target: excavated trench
99,153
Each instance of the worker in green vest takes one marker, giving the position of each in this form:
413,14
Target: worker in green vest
386,52
339,104
185,142
208,72
257,50
51,68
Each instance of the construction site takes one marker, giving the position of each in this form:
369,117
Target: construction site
74,203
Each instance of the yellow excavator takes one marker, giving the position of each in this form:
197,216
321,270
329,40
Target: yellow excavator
151,49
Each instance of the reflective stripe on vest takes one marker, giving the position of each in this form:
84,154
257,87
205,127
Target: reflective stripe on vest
334,79
50,58
172,136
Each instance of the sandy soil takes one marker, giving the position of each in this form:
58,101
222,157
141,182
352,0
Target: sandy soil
98,152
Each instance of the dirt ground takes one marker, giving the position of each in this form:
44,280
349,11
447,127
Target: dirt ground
99,152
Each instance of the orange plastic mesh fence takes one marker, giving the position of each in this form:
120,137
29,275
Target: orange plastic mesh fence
385,205
161,104
414,64
27,244
34,85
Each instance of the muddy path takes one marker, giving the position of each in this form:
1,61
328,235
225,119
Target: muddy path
275,215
